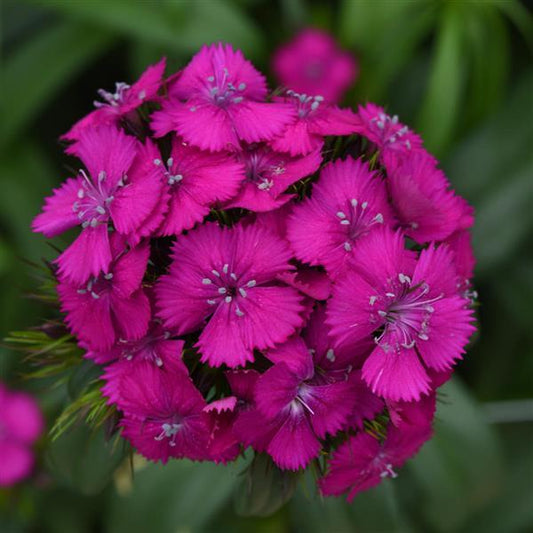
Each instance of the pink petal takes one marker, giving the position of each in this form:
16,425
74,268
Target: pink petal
87,256
58,214
396,375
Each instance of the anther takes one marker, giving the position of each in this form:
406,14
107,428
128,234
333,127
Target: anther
222,290
228,299
206,281
251,283
242,292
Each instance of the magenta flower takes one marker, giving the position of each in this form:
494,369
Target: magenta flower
195,181
156,347
21,424
268,175
362,462
390,136
315,119
117,190
119,104
163,414
219,101
297,406
410,306
427,208
112,305
312,63
228,277
347,203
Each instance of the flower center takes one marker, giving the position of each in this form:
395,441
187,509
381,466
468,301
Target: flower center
388,129
113,99
226,287
92,205
169,431
172,179
357,220
261,169
98,285
220,91
305,104
406,314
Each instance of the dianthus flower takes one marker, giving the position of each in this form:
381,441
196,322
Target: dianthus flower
268,175
312,63
115,106
164,414
229,277
218,101
347,203
410,306
116,191
363,461
112,305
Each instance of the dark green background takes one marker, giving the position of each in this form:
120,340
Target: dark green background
460,73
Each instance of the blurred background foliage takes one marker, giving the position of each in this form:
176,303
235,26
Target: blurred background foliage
459,72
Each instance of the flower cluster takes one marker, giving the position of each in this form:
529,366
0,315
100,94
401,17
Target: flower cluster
21,424
262,270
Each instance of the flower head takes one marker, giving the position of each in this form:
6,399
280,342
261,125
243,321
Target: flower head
112,305
116,192
219,101
114,106
268,175
347,203
227,278
410,307
164,414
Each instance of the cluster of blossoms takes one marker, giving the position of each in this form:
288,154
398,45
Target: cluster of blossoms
242,284
21,424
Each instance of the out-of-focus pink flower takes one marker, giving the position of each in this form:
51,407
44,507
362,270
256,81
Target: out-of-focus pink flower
21,424
312,63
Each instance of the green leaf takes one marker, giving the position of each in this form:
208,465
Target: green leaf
375,510
264,488
178,496
383,35
504,219
173,24
461,468
81,376
35,72
441,107
83,459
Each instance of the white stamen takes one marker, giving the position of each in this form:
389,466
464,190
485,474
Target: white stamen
206,281
225,268
242,292
345,222
216,273
372,300
238,312
354,202
403,278
228,299
222,290
233,276
330,355
251,283
211,302
347,246
340,214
